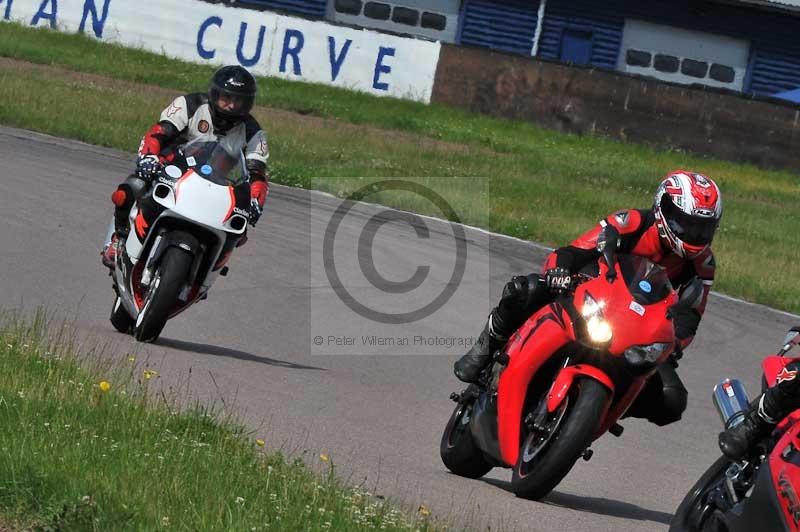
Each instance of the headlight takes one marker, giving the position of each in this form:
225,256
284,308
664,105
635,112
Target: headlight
598,328
645,355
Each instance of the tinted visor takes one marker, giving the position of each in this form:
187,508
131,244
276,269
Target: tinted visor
230,103
694,230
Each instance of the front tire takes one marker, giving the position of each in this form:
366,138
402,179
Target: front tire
546,459
693,514
170,276
120,318
458,450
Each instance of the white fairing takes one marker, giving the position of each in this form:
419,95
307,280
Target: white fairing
195,200
202,201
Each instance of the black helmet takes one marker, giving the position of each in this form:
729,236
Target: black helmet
236,85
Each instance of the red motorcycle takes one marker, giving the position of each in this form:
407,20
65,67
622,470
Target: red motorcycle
759,493
566,376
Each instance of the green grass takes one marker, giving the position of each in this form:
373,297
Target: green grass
75,457
515,178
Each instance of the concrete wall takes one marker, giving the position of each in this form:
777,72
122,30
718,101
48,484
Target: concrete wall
601,102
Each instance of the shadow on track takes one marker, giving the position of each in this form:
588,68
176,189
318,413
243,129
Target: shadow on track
594,505
214,350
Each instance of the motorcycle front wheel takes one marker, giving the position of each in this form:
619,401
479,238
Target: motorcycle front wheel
546,457
695,513
168,279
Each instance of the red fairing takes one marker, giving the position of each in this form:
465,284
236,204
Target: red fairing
526,357
151,145
259,191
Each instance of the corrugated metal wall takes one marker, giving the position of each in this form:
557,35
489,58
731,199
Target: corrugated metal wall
310,8
775,45
507,25
604,19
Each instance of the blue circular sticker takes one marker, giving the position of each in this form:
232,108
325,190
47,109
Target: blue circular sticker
205,169
645,286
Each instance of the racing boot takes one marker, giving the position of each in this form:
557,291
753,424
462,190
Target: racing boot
109,253
469,367
738,440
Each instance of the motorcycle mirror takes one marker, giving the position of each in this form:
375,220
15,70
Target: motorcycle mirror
607,242
791,339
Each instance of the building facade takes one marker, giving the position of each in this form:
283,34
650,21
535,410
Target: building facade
748,46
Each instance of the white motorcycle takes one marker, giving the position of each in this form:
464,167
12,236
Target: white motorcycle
183,232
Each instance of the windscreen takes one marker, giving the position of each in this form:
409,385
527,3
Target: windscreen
215,161
646,280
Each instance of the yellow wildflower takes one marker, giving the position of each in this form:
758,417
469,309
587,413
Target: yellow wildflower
104,386
260,442
324,457
149,374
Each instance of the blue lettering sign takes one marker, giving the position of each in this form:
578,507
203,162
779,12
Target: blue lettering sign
380,68
244,61
201,50
336,62
292,49
97,23
7,14
42,14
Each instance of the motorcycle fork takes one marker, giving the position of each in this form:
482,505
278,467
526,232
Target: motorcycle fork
535,420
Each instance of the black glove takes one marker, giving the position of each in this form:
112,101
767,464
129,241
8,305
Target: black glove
685,320
256,210
148,167
558,280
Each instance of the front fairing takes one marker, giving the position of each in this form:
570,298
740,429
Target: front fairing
634,318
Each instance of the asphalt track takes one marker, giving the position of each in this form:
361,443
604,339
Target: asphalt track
377,410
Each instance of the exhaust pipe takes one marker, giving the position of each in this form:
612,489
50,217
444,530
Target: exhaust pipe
731,400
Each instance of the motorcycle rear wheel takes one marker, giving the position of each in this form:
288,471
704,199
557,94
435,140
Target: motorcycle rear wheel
169,278
458,450
539,469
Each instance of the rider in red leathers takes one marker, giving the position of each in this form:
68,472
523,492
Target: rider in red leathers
675,233
764,413
223,111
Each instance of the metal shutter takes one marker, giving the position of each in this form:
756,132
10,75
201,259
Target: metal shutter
310,8
507,25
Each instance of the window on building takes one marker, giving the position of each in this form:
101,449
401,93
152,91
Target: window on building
349,7
722,73
377,10
434,21
404,15
665,63
638,58
695,69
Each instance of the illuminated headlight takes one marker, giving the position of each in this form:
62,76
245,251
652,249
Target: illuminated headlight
598,328
641,355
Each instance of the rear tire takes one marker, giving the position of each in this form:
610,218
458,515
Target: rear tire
458,450
120,318
170,276
689,515
535,476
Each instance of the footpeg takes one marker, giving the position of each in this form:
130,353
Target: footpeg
616,429
587,454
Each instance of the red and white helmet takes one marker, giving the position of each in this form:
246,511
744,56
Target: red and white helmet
688,208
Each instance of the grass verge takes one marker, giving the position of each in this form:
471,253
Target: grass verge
543,185
91,449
